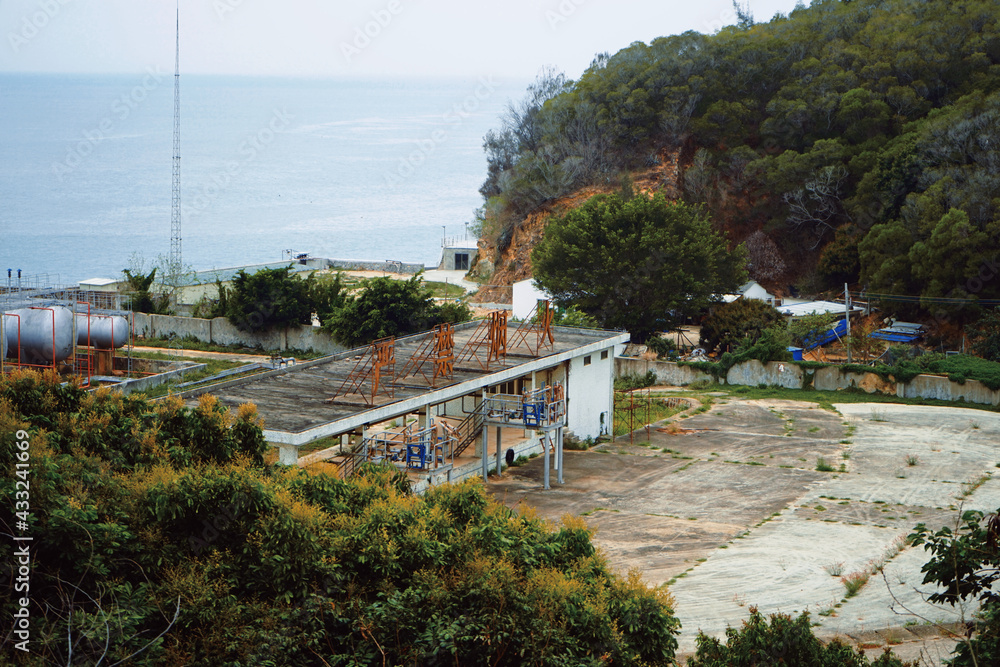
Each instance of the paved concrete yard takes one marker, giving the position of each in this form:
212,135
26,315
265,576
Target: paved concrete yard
736,514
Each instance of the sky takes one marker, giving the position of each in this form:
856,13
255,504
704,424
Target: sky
323,38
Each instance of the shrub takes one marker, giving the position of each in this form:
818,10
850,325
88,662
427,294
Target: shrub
632,381
782,641
731,325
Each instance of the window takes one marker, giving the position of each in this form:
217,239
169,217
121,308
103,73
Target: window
461,261
604,355
586,360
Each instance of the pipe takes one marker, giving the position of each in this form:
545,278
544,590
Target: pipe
44,337
105,331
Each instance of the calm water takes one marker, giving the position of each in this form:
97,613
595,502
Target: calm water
339,168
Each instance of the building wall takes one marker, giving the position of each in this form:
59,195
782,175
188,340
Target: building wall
448,258
526,297
590,394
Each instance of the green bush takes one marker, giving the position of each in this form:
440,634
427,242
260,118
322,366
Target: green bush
631,381
782,641
179,548
732,325
665,348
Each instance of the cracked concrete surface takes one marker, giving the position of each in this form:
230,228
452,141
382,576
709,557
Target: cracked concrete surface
736,514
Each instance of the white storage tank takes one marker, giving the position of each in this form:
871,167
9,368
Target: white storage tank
106,331
46,334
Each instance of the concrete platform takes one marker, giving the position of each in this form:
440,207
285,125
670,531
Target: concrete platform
736,514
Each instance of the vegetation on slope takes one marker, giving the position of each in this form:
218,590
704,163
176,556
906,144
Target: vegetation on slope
158,533
846,141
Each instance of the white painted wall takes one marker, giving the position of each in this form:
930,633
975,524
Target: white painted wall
526,296
590,392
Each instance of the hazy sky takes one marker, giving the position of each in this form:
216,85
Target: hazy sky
514,38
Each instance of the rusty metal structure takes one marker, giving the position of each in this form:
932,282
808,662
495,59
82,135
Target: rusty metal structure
373,374
490,338
633,409
535,332
437,350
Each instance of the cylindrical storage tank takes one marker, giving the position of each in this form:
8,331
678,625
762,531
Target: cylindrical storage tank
106,331
46,334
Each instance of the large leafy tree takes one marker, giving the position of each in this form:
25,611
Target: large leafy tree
384,307
268,299
640,263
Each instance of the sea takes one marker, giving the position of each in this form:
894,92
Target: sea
371,169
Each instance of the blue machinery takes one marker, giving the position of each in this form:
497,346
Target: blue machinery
433,447
541,410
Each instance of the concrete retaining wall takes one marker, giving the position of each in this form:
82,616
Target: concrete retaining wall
790,376
147,383
367,265
221,331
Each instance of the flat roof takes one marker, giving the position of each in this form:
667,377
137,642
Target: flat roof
298,403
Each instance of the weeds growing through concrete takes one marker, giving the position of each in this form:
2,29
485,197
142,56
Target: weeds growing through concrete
912,460
823,466
878,415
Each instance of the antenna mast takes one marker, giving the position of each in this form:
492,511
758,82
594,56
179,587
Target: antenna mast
175,217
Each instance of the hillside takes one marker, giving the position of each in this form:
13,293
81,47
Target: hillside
845,142
513,263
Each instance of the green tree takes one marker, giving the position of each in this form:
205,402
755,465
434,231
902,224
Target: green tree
641,264
985,335
965,563
268,299
384,307
743,321
143,300
327,294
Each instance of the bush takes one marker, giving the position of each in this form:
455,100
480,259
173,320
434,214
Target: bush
665,348
209,559
782,641
731,325
631,381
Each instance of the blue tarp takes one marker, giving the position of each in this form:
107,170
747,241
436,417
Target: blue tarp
894,337
828,336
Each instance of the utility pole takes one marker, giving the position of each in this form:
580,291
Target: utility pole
847,318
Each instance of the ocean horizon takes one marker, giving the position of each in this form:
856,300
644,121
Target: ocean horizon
343,168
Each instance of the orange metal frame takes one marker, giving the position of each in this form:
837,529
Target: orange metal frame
378,363
538,326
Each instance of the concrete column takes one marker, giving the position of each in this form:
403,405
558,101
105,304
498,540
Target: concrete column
486,453
559,452
288,455
545,453
499,455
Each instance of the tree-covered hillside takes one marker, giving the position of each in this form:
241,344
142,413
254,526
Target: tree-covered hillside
848,141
